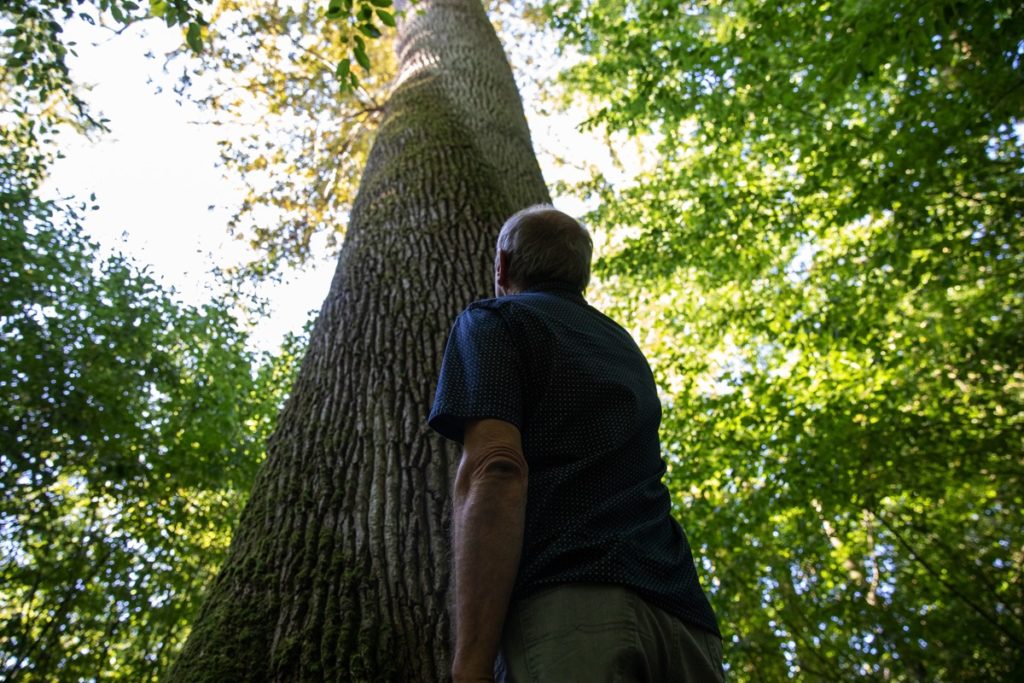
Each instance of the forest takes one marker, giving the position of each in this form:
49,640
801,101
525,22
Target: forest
820,249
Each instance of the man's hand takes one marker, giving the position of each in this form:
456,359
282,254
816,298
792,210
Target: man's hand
489,512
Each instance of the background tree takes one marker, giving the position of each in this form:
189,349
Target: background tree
825,261
130,424
339,567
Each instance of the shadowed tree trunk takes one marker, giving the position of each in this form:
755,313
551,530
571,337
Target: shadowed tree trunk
339,567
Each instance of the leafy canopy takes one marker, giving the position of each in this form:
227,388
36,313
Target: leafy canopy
824,263
131,424
131,429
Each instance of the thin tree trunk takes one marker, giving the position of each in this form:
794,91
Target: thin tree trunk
339,567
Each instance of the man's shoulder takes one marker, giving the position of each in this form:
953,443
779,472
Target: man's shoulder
522,316
483,312
492,304
524,302
507,305
548,314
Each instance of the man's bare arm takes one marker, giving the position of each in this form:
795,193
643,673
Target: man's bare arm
489,512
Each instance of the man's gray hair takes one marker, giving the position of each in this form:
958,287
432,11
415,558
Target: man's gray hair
545,245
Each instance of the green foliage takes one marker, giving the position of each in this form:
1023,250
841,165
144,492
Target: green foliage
358,17
829,256
35,53
132,427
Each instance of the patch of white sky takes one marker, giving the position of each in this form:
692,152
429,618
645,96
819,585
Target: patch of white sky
164,201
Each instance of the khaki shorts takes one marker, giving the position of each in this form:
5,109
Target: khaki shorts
591,633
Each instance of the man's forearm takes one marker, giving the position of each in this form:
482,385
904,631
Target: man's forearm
489,511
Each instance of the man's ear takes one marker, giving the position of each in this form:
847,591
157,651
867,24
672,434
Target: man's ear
501,270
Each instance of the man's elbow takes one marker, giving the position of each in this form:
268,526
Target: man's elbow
492,460
498,468
505,465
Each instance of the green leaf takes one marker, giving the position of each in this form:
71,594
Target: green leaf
343,68
157,8
381,3
194,37
362,58
386,18
369,30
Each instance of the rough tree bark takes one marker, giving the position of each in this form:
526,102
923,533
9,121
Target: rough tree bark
339,567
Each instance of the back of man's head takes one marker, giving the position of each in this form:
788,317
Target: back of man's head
543,244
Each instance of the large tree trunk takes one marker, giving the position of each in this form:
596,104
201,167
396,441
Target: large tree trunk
339,567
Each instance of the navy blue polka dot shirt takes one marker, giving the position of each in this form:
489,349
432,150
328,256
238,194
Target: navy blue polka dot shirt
584,399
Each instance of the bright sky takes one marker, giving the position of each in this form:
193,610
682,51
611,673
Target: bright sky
155,177
162,199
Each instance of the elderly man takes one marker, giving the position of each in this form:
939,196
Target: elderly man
566,557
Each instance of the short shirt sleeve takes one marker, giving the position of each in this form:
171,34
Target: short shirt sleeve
481,375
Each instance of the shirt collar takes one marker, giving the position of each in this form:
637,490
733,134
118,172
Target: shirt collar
562,289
